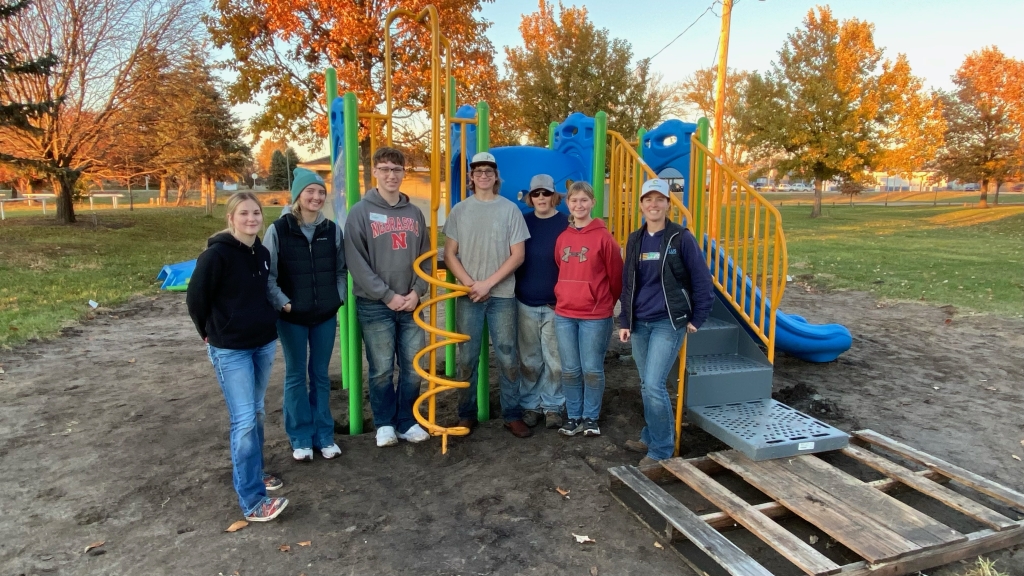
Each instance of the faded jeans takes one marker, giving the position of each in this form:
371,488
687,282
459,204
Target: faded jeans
388,334
500,314
307,411
540,368
243,377
582,345
655,349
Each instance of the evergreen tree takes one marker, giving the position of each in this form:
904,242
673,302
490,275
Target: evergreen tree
278,179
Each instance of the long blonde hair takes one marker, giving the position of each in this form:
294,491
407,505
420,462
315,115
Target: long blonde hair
581,188
232,205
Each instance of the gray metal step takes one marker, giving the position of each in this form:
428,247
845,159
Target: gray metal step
766,429
725,378
716,336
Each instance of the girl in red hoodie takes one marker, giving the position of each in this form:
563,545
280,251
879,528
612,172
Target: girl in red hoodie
589,282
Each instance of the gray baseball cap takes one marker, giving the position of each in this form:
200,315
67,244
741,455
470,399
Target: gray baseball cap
542,182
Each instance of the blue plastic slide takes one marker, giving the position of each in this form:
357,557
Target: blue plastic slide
176,276
794,335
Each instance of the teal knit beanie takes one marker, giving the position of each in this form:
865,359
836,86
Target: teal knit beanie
302,178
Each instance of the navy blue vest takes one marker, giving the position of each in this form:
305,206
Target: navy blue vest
307,271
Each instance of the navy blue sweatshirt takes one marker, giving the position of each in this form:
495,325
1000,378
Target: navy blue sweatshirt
227,294
535,279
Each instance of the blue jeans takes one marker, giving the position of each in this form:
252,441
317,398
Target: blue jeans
387,333
655,349
582,345
500,314
540,368
243,377
307,410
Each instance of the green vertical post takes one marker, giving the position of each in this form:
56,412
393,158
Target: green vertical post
449,305
354,373
551,134
597,174
697,186
331,88
483,371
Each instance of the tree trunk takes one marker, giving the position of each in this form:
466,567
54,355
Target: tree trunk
162,197
183,184
996,199
65,189
983,200
816,210
23,185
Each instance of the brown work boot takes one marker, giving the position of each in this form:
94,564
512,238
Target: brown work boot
637,446
648,461
519,429
467,423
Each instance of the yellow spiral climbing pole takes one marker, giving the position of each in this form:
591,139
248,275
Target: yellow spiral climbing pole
438,338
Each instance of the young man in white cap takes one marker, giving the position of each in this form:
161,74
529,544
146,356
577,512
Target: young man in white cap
540,366
484,246
666,292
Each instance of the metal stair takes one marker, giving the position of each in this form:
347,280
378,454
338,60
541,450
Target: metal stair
728,394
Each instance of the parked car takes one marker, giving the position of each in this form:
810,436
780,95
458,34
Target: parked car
783,187
801,188
972,187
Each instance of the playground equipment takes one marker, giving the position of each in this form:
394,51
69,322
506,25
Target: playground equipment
725,369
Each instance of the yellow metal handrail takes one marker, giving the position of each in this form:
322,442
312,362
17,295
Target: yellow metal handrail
744,244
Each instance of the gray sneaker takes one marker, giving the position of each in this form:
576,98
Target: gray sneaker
590,427
552,420
531,418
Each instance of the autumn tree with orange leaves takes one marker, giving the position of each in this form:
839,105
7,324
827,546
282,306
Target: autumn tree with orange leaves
281,48
985,115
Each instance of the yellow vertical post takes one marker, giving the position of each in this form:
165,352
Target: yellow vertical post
681,395
723,72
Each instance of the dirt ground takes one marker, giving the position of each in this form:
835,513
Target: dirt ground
117,432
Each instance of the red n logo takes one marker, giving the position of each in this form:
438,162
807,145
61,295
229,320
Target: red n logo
398,241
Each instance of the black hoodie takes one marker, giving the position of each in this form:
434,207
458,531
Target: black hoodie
227,295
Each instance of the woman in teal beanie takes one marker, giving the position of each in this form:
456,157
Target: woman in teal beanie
307,284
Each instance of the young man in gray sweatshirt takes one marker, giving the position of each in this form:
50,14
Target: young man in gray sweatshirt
384,235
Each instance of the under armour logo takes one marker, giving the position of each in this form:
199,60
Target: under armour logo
582,254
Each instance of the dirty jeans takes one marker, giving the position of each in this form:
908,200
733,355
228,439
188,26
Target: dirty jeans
388,334
307,411
243,377
655,349
582,345
540,369
500,314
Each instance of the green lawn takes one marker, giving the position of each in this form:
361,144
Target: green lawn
50,272
970,258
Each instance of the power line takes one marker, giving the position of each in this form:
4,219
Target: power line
665,47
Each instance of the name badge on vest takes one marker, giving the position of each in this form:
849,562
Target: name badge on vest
649,256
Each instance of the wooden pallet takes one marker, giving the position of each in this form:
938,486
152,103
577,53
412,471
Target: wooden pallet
891,537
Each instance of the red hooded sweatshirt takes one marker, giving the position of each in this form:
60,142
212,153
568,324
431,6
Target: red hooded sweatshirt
589,272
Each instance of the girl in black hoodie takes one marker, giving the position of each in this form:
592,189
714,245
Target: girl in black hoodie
227,300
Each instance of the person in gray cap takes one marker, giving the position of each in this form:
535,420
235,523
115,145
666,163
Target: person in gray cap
483,247
540,369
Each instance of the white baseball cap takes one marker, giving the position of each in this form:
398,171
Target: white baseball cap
655,185
483,158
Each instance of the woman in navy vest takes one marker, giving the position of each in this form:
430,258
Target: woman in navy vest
307,284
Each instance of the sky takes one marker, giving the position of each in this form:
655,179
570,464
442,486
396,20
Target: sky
934,34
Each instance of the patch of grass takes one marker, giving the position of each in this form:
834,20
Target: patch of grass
984,567
50,271
970,258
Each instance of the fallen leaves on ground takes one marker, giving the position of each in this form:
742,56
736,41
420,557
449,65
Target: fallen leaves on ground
593,571
658,545
1015,457
132,361
813,539
94,545
284,548
237,526
306,543
564,493
584,539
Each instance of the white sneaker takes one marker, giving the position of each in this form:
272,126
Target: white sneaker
331,451
414,434
386,437
303,454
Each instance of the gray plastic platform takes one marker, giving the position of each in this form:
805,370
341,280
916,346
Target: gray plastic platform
766,429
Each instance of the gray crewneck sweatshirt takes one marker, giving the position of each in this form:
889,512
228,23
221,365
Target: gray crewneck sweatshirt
381,243
279,298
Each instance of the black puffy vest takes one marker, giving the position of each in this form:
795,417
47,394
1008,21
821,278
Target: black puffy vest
307,271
